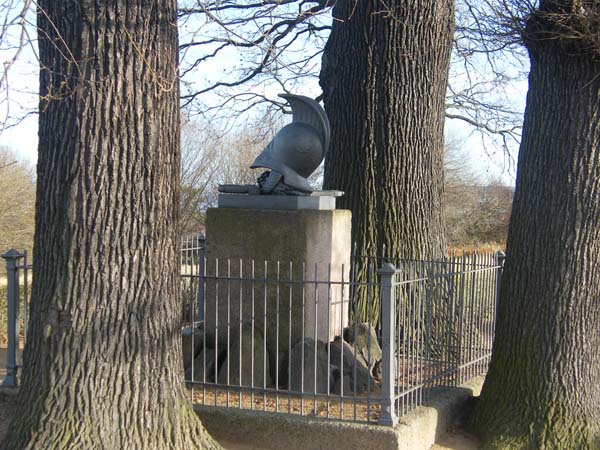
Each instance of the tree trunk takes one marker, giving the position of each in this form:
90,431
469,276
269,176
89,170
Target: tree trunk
542,389
384,79
102,365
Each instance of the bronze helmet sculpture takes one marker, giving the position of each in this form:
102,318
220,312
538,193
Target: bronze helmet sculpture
296,150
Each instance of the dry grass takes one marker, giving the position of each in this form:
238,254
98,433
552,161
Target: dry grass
479,249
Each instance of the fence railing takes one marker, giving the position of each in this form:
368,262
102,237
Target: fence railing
356,344
365,346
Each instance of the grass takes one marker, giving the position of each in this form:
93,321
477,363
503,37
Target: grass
476,248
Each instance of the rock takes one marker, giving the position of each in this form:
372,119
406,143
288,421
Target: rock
242,351
211,339
338,384
353,367
206,359
364,338
377,371
306,383
191,344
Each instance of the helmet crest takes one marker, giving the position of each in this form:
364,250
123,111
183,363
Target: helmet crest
296,150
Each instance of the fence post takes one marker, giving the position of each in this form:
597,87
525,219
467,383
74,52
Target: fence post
388,415
500,258
12,258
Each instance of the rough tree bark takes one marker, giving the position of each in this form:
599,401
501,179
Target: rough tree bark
102,366
542,389
384,79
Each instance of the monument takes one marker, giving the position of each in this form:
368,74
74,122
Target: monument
278,252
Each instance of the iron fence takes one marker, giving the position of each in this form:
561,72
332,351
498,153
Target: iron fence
364,343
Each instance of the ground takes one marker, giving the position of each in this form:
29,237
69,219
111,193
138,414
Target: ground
455,440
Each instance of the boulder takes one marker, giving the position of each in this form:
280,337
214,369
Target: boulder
364,338
353,367
338,384
191,344
242,354
304,381
207,359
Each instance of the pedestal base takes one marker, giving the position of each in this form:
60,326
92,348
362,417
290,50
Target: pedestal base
285,272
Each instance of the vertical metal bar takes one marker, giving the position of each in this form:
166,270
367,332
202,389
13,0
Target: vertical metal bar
12,258
403,379
481,301
476,312
483,314
354,339
457,317
328,334
484,309
490,306
341,341
492,302
448,324
471,336
402,330
302,340
188,264
228,348
429,321
315,341
412,338
421,342
388,415
449,273
192,308
253,321
289,352
369,286
217,331
202,280
265,356
353,286
241,331
25,293
277,313
461,310
355,334
203,287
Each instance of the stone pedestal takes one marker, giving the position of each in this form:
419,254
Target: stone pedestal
284,271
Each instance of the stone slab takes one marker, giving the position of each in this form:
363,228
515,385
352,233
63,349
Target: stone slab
281,202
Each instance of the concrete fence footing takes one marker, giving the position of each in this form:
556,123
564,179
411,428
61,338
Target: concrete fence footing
417,430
